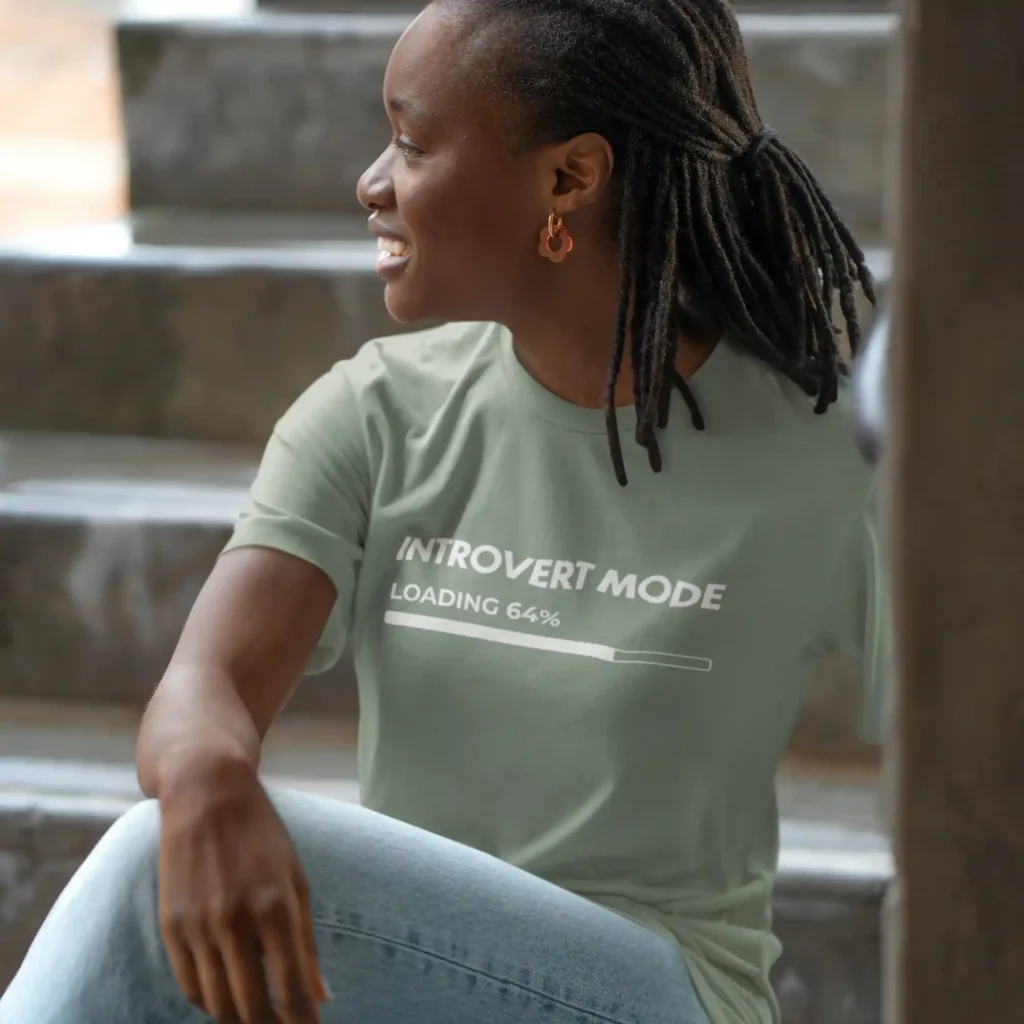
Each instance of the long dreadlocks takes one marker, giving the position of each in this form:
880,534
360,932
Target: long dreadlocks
719,221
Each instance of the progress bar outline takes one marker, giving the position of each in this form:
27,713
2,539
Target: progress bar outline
554,644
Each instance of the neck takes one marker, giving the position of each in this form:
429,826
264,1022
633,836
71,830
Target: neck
565,334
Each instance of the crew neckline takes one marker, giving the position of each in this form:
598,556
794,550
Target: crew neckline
578,418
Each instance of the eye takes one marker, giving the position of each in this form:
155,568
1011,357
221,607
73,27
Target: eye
406,146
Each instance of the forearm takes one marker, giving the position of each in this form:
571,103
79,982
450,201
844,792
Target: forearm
251,632
195,721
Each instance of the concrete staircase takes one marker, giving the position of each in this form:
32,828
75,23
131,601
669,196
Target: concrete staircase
67,773
143,363
289,110
181,324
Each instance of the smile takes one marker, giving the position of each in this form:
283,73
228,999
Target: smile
391,248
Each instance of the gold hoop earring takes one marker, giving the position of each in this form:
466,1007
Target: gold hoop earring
555,228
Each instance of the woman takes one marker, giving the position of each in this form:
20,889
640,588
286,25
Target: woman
584,604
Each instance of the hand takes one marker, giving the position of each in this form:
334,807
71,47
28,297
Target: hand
234,901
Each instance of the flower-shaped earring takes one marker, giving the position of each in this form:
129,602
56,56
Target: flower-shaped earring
555,229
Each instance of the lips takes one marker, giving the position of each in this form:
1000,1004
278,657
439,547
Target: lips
394,253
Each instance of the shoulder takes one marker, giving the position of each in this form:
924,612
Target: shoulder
836,433
824,465
420,358
767,408
841,473
399,377
406,379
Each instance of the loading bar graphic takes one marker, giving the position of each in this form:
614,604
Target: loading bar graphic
557,644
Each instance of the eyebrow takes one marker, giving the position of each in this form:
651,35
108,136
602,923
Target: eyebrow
400,106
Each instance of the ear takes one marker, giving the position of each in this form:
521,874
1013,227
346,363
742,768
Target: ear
582,168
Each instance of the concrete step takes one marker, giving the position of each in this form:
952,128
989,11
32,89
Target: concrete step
67,773
836,867
104,545
282,111
198,326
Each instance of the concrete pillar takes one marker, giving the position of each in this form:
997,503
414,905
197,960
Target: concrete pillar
956,486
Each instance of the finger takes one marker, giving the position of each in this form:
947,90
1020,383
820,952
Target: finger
287,965
213,979
243,962
309,943
183,967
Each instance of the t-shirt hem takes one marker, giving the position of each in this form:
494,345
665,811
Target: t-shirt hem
714,1006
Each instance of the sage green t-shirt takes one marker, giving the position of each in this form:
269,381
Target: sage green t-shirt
591,682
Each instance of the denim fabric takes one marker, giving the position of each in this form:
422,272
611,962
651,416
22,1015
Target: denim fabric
411,929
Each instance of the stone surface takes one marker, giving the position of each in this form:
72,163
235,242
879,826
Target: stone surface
283,111
53,808
830,970
103,549
42,842
269,112
833,869
823,83
67,749
180,335
205,328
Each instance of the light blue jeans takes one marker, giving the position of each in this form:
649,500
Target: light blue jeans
411,928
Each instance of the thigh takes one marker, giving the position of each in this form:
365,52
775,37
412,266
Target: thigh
412,927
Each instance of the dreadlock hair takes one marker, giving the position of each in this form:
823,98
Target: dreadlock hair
720,223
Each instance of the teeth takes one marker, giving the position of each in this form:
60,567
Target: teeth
392,247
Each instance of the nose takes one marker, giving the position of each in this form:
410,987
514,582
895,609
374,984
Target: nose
375,189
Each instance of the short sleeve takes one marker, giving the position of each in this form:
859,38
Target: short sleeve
857,618
311,497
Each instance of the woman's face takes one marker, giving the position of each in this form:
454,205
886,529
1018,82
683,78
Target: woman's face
458,215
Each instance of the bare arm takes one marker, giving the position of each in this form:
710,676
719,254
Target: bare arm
244,648
234,899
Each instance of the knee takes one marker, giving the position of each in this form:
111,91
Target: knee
130,849
138,828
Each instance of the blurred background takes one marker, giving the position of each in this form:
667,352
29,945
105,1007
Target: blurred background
61,149
181,253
